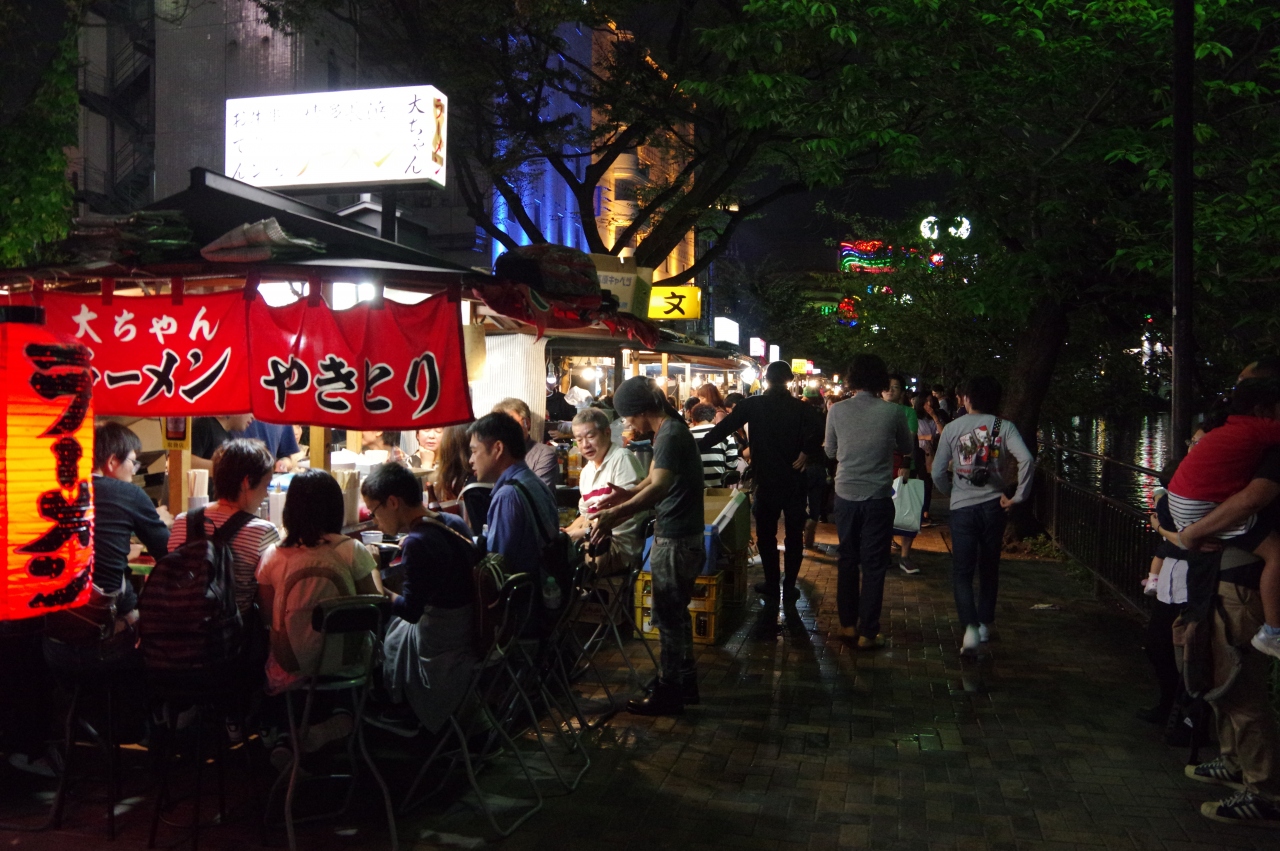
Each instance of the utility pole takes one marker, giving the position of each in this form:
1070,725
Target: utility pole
1183,209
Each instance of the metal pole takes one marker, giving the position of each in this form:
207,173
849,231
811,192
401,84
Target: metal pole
1183,209
388,230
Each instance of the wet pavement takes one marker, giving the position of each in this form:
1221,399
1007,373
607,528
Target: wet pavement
801,742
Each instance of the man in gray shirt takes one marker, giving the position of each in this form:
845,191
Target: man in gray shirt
862,435
979,446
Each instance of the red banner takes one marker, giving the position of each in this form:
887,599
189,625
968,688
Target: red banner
395,367
154,358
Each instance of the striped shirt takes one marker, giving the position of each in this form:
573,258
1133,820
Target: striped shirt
247,547
1186,511
717,460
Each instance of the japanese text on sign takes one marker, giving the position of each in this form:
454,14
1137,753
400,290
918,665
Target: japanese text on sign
675,302
395,135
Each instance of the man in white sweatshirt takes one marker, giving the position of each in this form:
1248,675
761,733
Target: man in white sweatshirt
979,447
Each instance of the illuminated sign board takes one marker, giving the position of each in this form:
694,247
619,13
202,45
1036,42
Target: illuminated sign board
366,137
675,302
757,347
775,353
799,366
726,330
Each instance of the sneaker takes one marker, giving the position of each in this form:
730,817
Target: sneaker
1149,585
972,640
984,633
848,633
866,642
908,567
1215,771
1243,808
335,727
42,765
766,590
235,732
1267,643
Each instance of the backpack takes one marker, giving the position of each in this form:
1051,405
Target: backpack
187,610
555,561
488,573
295,645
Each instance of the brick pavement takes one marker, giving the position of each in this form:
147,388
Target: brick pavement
802,743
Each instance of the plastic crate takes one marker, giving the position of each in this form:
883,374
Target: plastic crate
706,625
708,592
734,567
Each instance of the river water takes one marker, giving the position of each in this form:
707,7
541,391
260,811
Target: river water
1138,440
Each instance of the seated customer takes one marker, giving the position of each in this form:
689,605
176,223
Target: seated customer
605,465
523,518
540,457
241,475
314,563
428,646
121,510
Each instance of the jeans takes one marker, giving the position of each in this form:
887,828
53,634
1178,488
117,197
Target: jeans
977,535
772,502
676,563
864,529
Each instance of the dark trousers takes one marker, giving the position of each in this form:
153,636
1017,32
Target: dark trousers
924,462
815,485
772,503
977,536
864,528
1160,649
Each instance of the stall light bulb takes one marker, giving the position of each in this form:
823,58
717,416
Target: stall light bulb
749,375
588,373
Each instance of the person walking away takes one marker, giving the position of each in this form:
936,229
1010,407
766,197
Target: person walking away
719,459
673,489
539,457
815,470
903,465
783,434
979,447
862,434
928,430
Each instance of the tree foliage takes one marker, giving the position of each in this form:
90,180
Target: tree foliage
36,127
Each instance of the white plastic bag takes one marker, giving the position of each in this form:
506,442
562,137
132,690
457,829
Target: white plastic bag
908,505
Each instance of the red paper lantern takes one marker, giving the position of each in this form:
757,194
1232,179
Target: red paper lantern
46,463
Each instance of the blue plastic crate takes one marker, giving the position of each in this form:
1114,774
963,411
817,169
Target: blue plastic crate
710,541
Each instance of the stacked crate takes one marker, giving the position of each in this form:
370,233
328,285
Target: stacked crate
705,605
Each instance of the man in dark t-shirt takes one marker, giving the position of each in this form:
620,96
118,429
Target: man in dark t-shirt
207,434
673,489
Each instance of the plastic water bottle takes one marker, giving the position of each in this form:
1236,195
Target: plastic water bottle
550,593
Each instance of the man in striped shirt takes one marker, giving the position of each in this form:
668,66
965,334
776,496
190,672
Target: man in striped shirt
718,459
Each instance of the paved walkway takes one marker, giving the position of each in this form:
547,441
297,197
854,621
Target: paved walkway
801,743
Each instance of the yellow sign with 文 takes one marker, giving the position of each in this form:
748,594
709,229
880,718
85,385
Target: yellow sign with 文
675,302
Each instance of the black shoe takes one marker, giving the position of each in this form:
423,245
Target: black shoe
665,700
1158,714
767,590
688,688
790,591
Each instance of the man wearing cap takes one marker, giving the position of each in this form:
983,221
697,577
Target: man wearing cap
783,434
673,489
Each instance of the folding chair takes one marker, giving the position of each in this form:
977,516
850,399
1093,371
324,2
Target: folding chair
508,605
367,613
607,629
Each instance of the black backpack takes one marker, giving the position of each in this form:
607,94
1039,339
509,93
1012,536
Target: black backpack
556,560
187,613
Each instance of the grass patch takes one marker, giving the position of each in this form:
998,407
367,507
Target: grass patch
1039,547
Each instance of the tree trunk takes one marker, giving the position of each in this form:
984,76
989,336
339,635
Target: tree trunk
1035,357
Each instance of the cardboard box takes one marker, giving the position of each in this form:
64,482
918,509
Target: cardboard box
629,282
729,511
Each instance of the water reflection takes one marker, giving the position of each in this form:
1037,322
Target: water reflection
1142,441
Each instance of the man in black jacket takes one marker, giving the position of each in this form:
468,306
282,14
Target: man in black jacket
783,434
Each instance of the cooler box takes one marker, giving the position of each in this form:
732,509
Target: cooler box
729,511
710,543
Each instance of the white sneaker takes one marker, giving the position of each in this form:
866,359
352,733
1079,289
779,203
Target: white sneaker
972,639
984,633
1150,584
42,766
1269,644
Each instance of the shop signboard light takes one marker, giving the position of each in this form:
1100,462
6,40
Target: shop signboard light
726,330
799,366
775,353
675,302
46,439
757,347
333,139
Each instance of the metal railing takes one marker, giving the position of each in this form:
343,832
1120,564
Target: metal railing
1110,538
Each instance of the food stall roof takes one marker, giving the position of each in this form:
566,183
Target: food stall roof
576,344
214,204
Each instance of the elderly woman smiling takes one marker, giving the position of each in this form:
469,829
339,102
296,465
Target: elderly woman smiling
605,464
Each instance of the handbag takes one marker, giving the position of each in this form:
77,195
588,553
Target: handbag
908,505
91,623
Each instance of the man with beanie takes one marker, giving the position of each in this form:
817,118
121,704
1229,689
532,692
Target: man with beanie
673,489
862,435
784,433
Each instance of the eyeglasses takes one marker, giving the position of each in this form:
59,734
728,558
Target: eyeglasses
373,509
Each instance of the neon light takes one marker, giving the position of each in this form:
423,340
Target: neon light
866,255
